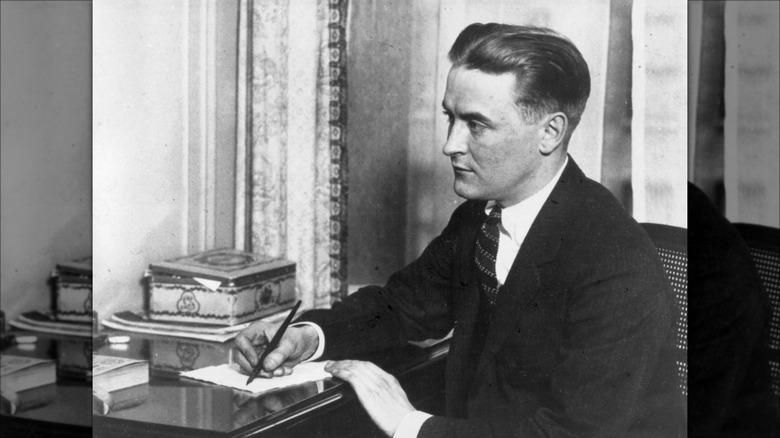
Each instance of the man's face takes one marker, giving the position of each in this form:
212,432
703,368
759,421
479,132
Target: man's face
494,151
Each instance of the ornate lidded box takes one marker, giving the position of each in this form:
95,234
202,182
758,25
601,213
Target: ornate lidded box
221,286
73,290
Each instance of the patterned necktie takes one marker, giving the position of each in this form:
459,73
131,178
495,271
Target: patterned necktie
485,254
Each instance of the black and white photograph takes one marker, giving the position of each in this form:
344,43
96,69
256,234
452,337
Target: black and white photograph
420,218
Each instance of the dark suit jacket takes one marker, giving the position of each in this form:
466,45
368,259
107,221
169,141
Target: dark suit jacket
728,318
575,344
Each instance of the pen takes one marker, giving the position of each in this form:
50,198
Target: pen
273,344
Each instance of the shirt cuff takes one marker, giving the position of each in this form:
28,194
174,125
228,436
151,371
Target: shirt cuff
320,335
410,425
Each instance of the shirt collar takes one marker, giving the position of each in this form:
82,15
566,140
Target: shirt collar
517,219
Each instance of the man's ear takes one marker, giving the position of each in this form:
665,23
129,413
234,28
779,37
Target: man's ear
554,126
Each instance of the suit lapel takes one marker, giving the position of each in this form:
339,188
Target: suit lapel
467,309
541,245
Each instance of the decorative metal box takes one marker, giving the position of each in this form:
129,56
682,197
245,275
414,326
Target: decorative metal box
221,286
73,290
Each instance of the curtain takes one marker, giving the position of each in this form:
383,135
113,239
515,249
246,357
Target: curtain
735,116
291,154
659,116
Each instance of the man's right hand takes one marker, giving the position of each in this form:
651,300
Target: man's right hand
297,344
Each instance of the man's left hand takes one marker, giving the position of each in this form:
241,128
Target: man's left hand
379,392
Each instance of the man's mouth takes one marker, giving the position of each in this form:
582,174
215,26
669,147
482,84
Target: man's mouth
460,169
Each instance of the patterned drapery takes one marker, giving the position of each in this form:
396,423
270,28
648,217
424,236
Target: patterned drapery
291,160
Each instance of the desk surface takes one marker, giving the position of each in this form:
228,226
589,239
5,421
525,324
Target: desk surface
67,409
171,406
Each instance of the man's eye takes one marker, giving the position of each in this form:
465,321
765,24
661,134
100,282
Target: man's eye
475,126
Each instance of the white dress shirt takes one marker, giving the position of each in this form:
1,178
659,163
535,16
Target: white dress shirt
516,220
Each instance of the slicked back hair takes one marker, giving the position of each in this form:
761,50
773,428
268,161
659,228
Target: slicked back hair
550,72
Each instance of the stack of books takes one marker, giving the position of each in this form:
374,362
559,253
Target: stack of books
26,382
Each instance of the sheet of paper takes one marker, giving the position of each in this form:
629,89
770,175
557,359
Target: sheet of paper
230,376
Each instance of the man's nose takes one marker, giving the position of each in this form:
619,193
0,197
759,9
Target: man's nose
457,141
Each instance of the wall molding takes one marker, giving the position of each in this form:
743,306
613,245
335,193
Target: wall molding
201,121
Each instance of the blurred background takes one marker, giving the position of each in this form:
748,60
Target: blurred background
734,107
45,145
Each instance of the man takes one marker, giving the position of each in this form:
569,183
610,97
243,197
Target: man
559,304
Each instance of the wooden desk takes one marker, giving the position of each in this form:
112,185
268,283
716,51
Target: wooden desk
185,408
69,412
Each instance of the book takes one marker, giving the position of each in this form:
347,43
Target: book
13,402
104,402
18,373
111,373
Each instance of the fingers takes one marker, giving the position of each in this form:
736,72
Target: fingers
365,377
277,372
288,353
350,370
273,371
247,340
251,342
379,392
242,361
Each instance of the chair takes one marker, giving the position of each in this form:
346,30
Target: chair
672,245
764,245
